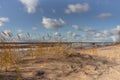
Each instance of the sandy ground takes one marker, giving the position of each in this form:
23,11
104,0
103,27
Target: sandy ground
100,64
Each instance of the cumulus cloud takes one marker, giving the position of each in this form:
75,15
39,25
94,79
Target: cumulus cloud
54,37
116,38
57,34
116,34
86,29
1,24
50,23
102,37
72,34
97,35
76,27
104,15
58,37
107,35
77,8
116,29
3,20
76,36
30,5
46,37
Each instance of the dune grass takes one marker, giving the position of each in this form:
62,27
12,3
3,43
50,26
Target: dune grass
11,57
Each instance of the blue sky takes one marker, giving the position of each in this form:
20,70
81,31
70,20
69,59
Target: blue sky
75,20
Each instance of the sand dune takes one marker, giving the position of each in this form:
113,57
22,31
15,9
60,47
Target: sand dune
101,64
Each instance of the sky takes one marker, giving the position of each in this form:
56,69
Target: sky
60,20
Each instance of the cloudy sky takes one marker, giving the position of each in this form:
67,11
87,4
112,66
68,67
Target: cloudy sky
68,20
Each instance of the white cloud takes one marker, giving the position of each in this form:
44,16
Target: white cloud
57,34
1,24
107,35
104,15
116,38
86,29
50,23
19,30
104,37
103,33
96,35
116,34
46,37
77,8
2,20
57,37
34,28
76,27
116,29
72,34
30,5
69,33
76,35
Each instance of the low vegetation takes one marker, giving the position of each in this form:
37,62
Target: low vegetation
12,57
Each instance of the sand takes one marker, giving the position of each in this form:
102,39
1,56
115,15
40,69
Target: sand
103,64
